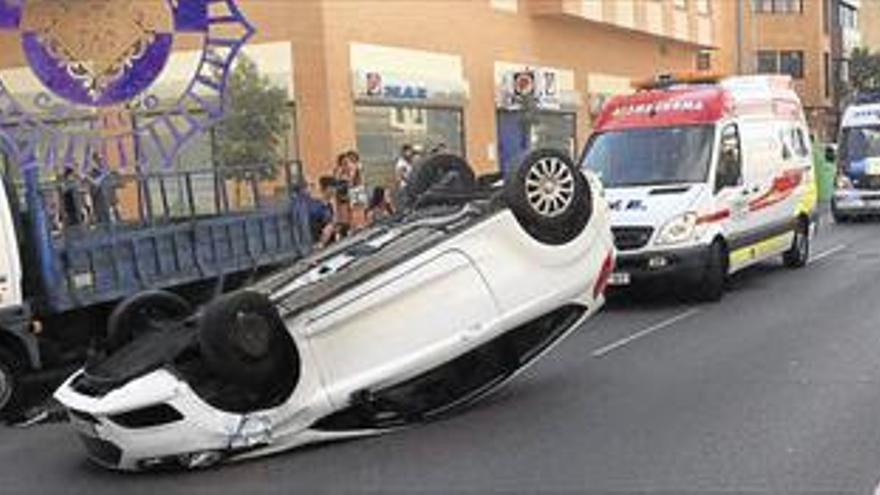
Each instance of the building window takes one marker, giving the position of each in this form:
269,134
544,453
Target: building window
505,5
704,7
778,6
792,63
680,4
518,133
768,62
789,62
826,58
847,16
826,16
704,60
383,128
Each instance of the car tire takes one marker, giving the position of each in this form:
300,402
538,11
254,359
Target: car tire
11,369
144,313
446,171
799,253
712,283
549,196
837,215
244,341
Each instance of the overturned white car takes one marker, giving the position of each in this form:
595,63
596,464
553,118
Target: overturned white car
403,323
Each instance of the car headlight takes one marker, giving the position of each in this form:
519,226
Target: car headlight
844,182
679,229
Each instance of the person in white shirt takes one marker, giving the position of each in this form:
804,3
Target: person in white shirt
404,165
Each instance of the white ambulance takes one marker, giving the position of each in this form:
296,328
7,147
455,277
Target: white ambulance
704,177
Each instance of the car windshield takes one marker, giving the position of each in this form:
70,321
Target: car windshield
858,144
651,156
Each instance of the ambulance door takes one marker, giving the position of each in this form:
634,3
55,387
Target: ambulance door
730,192
767,230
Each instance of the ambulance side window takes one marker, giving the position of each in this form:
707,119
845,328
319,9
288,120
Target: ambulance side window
729,171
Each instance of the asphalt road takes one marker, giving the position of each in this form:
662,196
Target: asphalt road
776,389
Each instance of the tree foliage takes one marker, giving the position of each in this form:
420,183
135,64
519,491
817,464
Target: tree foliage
864,70
255,123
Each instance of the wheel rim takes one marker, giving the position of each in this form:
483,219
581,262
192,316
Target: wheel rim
550,187
5,386
802,245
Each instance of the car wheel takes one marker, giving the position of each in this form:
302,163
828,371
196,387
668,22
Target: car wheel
11,369
144,313
799,253
243,340
711,286
837,215
550,197
446,171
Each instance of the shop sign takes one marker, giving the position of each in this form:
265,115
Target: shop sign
541,86
377,87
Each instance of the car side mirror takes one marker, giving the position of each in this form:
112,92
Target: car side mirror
830,153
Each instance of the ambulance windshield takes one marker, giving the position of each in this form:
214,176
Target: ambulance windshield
662,155
858,145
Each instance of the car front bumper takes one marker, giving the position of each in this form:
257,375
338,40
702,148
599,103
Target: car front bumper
685,264
856,201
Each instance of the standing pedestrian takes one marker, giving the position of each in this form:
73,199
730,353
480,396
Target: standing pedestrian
102,190
380,208
71,202
404,165
343,175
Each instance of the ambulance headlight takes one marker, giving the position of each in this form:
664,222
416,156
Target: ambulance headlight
844,182
679,229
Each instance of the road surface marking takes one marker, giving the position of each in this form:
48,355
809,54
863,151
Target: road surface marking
825,254
654,328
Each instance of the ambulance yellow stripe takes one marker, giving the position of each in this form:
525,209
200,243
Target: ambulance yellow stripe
760,249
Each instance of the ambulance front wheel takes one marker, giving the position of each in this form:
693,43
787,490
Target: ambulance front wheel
712,284
799,253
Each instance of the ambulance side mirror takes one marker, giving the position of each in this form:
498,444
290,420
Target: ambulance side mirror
830,153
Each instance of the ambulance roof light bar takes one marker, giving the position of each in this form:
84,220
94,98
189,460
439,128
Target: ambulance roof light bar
669,80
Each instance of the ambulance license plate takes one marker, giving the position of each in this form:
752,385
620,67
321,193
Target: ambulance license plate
619,278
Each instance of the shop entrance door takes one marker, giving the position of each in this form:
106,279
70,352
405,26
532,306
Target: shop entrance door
513,140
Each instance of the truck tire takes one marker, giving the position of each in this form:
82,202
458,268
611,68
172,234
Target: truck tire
550,197
244,341
799,253
446,171
11,369
712,283
144,313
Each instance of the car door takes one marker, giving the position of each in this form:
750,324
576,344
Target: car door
398,325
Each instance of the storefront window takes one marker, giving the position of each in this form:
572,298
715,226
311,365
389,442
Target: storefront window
383,129
518,134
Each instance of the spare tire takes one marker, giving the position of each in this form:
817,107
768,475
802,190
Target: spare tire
244,341
443,172
549,197
143,313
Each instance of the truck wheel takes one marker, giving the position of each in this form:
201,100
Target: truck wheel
711,285
144,313
799,254
243,340
550,197
11,369
448,171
